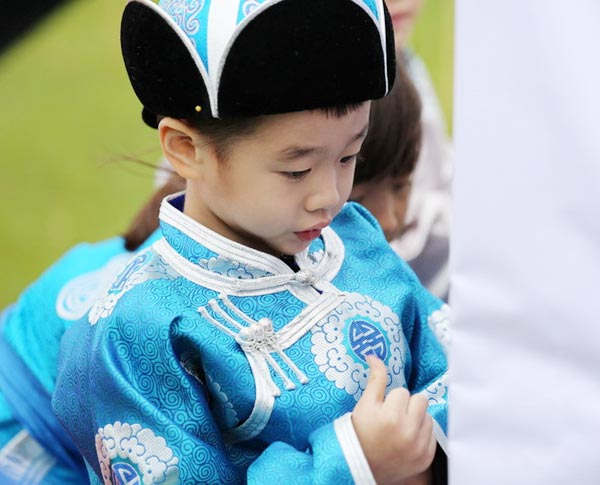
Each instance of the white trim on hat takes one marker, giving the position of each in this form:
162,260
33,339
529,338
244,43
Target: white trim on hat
216,74
222,23
380,22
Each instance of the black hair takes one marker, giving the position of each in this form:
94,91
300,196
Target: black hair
393,142
223,132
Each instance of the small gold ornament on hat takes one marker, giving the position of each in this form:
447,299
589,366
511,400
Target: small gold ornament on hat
198,108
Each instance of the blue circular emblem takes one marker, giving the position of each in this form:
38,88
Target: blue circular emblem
366,339
125,474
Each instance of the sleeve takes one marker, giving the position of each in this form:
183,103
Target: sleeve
334,457
429,372
133,410
136,413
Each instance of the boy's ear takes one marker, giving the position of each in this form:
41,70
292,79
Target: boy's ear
182,146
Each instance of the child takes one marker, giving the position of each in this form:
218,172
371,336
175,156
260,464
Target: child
424,242
68,289
382,180
236,348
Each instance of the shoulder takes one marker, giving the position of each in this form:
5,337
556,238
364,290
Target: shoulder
365,246
355,215
141,286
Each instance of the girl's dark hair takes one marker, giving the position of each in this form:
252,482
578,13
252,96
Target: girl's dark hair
221,134
393,142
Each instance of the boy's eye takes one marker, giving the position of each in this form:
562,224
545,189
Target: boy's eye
296,175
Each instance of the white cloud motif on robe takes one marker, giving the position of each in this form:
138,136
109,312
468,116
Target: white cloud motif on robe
439,322
339,357
133,450
79,294
145,266
231,269
437,391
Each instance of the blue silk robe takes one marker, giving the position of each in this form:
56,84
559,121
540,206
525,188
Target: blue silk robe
210,362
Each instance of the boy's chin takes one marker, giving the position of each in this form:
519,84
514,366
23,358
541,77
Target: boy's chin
290,250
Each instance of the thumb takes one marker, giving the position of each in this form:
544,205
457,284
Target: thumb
375,390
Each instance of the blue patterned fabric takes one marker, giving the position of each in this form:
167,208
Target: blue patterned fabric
180,374
30,404
30,338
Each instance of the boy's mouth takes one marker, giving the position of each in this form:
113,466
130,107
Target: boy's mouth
308,235
312,233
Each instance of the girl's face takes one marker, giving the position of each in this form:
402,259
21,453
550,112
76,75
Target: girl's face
279,187
403,13
387,200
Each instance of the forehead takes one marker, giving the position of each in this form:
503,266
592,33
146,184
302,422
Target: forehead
311,128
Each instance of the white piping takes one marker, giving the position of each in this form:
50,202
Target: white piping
186,41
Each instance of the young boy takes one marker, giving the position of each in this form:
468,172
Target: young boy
237,348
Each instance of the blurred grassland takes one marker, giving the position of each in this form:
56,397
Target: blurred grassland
68,115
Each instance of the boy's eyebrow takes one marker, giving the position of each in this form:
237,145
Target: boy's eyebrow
295,152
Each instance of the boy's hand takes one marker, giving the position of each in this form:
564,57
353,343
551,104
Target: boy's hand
395,432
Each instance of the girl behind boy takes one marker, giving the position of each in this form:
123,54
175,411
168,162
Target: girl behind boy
424,239
382,180
236,348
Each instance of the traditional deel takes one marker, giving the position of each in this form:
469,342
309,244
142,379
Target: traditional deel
222,58
217,363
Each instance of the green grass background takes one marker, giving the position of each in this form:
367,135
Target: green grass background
67,117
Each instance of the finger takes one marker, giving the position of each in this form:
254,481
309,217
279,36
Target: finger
427,444
417,408
375,390
427,426
397,400
431,448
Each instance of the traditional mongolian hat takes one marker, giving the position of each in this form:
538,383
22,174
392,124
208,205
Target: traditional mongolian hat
198,59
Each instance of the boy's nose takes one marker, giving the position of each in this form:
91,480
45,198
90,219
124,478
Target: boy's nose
325,195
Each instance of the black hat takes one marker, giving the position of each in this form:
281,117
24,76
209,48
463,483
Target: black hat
198,59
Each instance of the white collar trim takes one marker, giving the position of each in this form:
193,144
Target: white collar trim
318,275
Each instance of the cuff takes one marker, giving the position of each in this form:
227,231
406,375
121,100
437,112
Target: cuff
440,436
353,453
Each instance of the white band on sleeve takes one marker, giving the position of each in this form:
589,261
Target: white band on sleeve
357,462
440,436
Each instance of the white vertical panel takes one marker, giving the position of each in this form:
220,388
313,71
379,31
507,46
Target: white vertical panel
525,356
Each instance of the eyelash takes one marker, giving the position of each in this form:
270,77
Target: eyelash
351,158
296,175
301,174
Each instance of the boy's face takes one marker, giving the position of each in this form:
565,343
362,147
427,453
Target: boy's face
403,13
282,185
387,200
